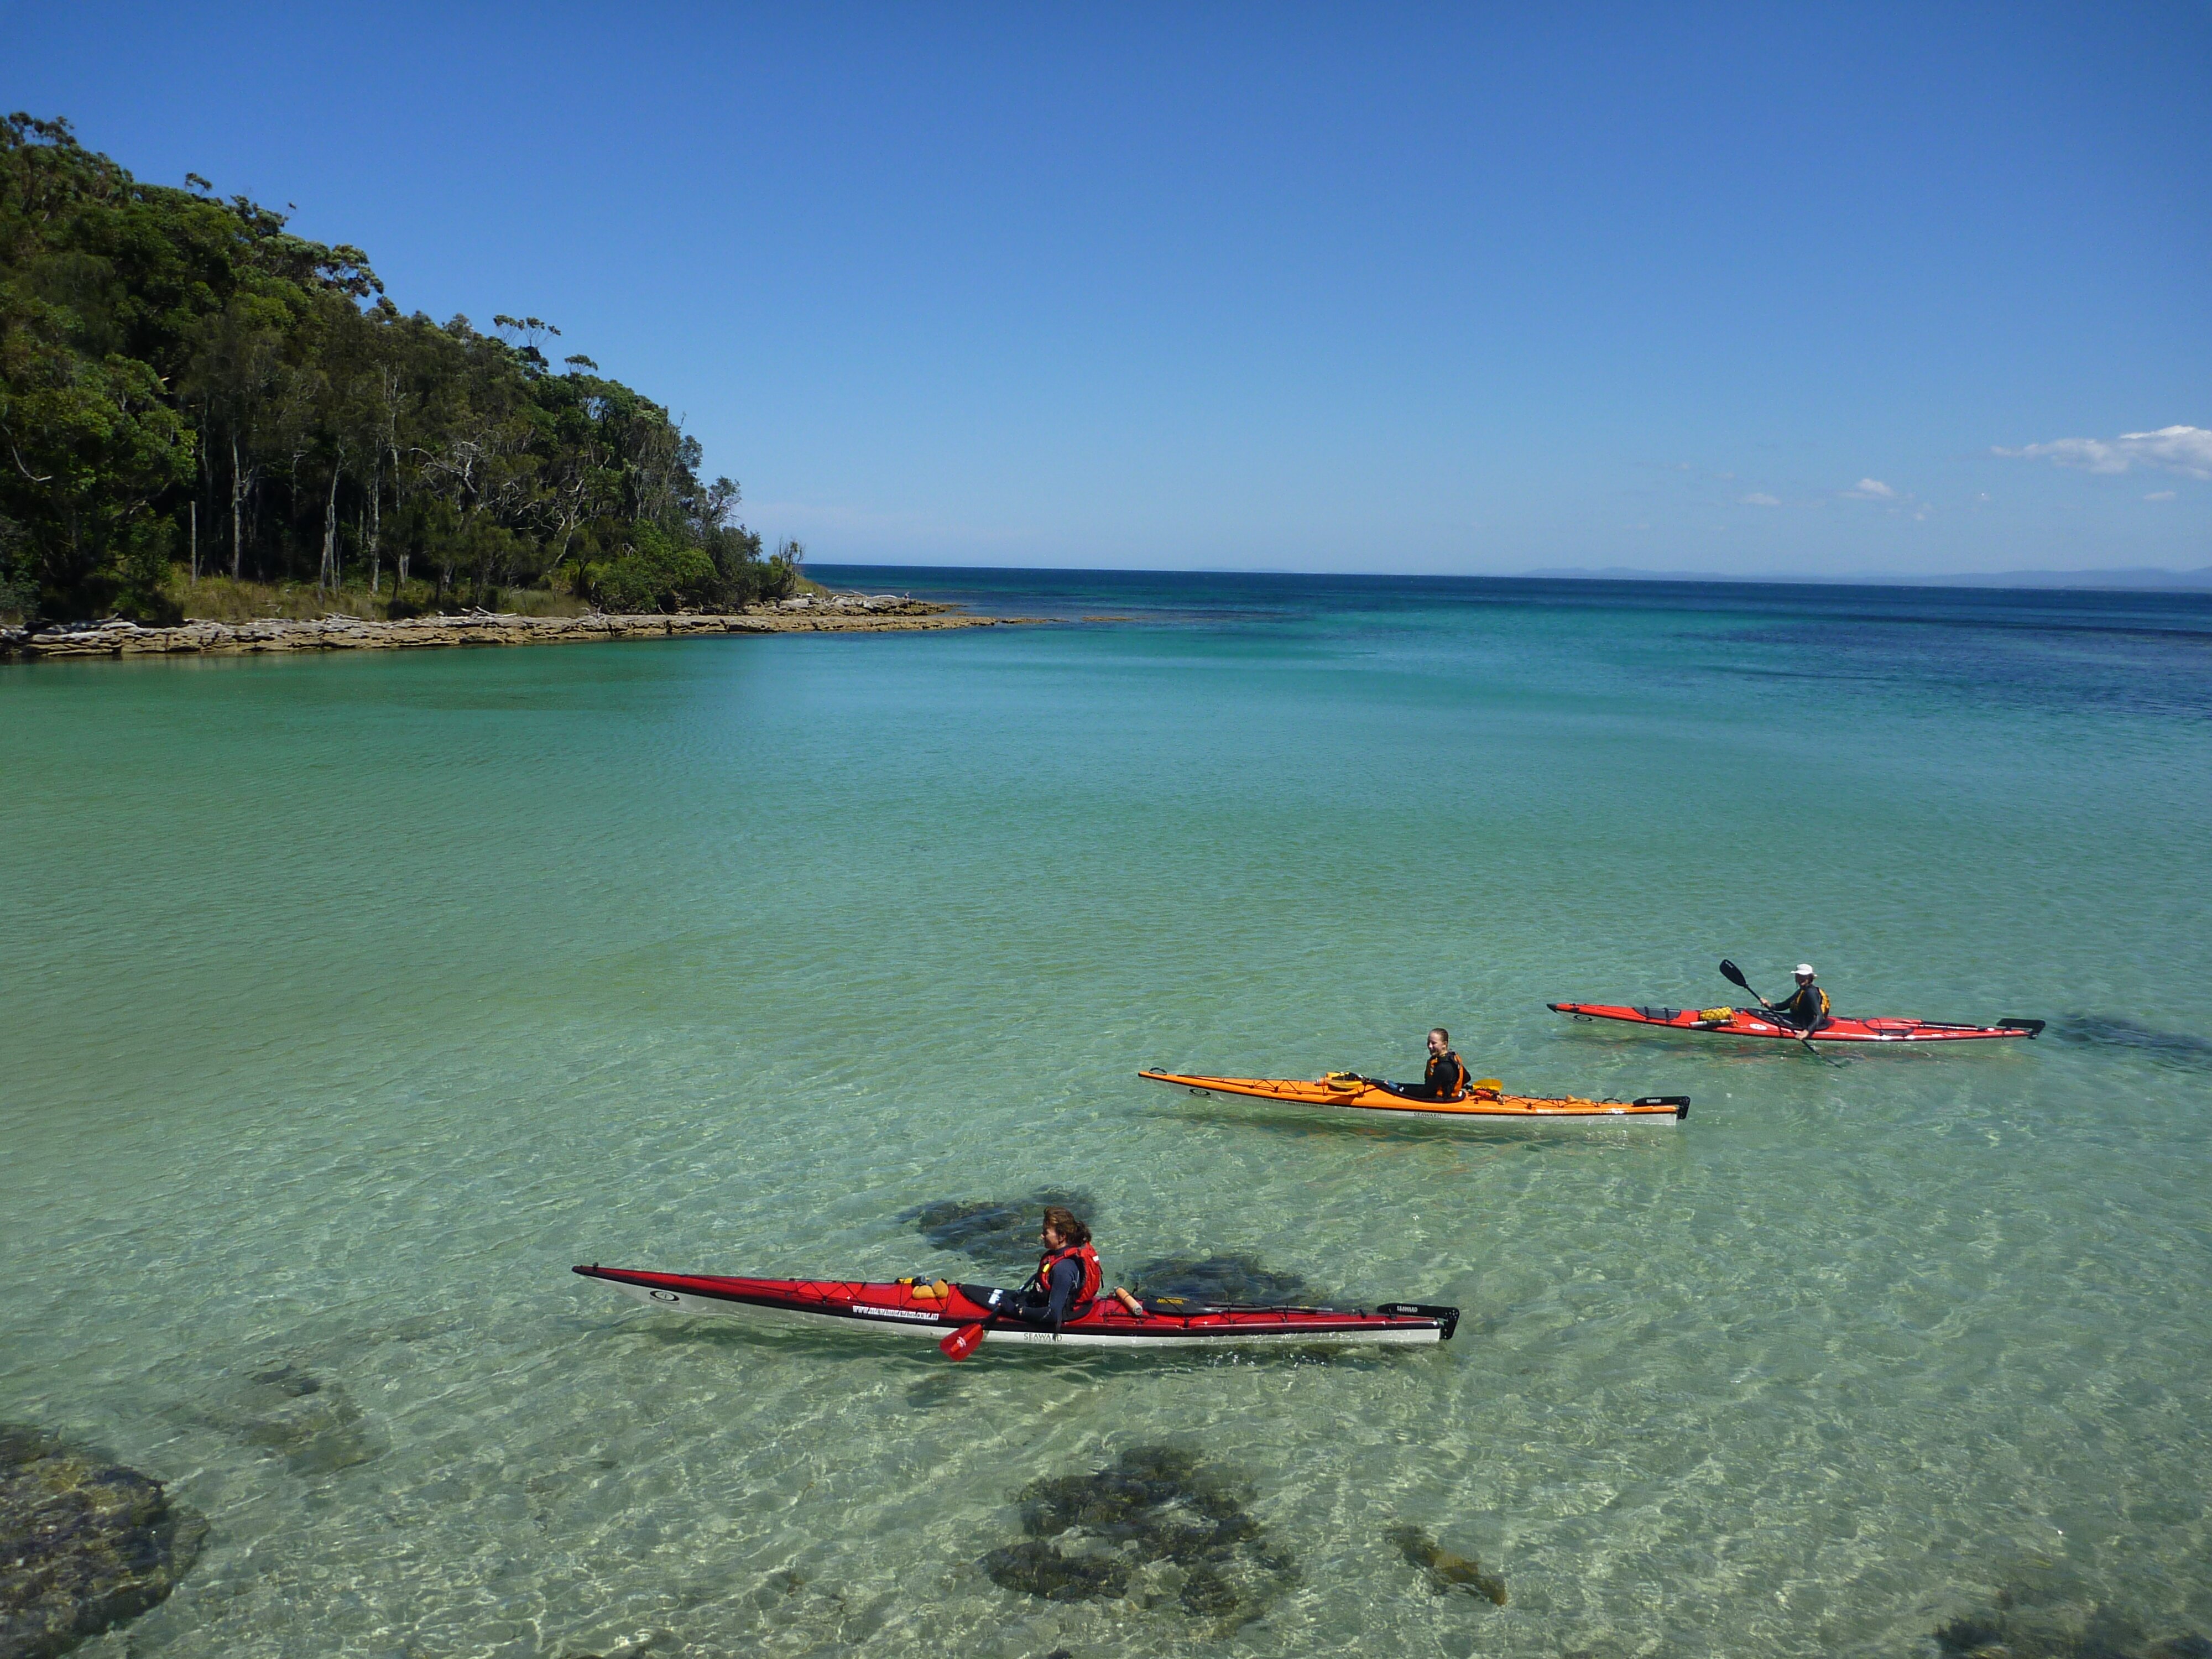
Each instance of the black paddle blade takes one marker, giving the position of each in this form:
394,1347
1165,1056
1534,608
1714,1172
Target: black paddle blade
1734,975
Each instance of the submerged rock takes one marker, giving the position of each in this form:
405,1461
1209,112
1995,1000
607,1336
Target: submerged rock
1446,1571
939,1387
2030,1621
1218,1278
308,1421
1159,1524
1207,1594
1035,1568
1159,1498
85,1544
1000,1233
2109,1031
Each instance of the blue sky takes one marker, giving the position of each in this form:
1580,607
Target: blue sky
1413,288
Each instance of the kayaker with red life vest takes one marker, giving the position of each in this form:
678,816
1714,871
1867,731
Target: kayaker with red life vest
1068,1279
1446,1078
1806,1008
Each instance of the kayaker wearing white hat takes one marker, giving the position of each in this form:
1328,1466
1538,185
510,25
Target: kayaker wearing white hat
1806,1010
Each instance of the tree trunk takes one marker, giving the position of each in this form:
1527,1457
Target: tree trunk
329,573
196,544
237,497
375,523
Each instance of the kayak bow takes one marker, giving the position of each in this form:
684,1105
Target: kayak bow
905,1307
1750,1023
1357,1094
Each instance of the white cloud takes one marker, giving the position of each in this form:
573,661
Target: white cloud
2186,449
1872,490
1755,499
2160,495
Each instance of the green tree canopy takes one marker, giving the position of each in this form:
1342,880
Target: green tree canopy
181,379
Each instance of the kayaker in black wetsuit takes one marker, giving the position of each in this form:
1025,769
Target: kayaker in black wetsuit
1068,1279
1445,1079
1805,1010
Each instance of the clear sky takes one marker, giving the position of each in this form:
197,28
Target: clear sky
1454,288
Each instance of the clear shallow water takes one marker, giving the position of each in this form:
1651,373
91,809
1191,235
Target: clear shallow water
348,1001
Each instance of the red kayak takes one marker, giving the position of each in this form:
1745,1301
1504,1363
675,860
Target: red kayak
1754,1023
934,1309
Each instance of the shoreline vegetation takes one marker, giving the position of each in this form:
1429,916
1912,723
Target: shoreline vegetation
190,392
804,614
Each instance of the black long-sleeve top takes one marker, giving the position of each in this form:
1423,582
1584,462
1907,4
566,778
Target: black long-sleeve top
1061,1286
1802,1009
1445,1079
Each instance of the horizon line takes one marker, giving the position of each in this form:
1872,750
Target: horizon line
2132,579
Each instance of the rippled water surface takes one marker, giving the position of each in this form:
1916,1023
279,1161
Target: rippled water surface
348,1001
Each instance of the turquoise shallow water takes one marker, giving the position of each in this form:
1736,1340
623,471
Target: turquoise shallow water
348,1001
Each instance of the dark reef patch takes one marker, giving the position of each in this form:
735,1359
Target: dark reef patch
1219,1279
85,1544
2028,1621
1036,1568
939,1387
1158,1525
1446,1572
2109,1031
310,1421
1001,1234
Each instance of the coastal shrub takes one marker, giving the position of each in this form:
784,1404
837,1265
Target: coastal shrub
655,574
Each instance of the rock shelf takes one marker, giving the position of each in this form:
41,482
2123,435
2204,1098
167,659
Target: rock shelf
841,613
85,1543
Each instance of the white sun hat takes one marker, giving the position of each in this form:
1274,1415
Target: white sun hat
1805,970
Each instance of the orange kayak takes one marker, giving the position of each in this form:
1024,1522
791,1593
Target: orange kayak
1343,1091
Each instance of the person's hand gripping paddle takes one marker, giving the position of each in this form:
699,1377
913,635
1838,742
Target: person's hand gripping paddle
968,1338
1734,975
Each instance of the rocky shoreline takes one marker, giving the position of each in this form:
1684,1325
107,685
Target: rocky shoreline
821,613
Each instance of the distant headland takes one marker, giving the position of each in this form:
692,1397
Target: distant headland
207,416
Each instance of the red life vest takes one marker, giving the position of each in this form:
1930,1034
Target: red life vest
1093,1277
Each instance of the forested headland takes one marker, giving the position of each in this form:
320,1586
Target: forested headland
198,406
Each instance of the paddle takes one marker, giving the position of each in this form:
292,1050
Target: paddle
965,1340
1734,975
968,1338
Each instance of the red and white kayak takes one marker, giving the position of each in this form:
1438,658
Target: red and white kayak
935,1308
1753,1023
1347,1092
